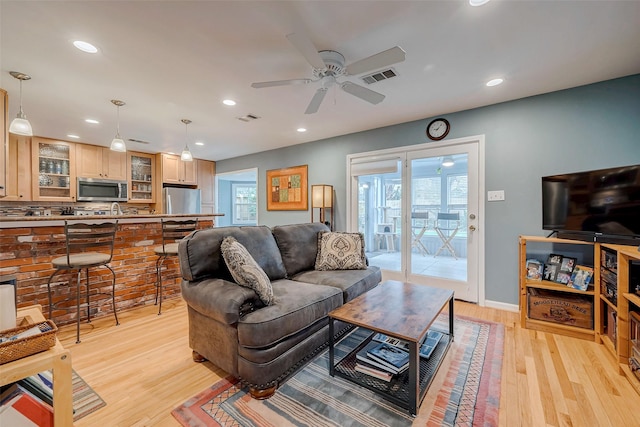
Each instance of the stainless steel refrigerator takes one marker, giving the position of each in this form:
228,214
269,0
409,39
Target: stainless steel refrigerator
181,200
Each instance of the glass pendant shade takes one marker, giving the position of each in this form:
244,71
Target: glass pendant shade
117,144
186,155
20,125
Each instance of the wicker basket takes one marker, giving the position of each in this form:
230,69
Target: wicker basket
17,349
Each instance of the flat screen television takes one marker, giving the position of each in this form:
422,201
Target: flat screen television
600,205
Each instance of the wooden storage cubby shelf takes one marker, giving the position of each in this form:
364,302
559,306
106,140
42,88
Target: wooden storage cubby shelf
624,302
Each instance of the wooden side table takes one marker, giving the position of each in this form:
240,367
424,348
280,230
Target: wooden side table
56,358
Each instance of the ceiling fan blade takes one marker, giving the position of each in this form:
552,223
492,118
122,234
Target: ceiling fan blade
379,60
362,92
316,101
281,83
307,49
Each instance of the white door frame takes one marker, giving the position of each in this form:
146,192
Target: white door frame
253,171
352,191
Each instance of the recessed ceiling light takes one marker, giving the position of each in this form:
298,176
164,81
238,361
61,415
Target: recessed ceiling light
85,46
171,152
302,129
92,121
73,136
478,2
494,82
199,143
229,102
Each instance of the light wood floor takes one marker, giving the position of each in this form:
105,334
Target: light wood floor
143,369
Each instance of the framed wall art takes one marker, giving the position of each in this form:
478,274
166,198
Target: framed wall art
287,189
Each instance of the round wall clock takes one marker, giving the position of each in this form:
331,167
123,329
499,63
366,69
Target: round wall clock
438,129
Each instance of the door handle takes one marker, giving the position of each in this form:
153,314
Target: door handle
472,227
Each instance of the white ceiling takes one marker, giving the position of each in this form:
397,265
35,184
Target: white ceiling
170,60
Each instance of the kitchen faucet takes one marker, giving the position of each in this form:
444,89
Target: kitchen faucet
115,209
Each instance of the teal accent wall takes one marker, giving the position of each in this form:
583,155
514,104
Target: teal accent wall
589,127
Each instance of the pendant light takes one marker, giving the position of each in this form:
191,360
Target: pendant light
20,125
118,144
186,155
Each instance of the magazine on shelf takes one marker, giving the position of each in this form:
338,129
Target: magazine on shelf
390,355
369,369
430,343
433,338
362,356
581,277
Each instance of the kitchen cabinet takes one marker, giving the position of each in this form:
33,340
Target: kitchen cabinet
53,165
18,181
94,161
141,169
206,184
175,171
4,138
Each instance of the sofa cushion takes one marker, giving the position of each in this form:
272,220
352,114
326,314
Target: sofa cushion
298,245
245,270
352,282
201,257
298,306
340,251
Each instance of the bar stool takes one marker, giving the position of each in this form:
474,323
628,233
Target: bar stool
87,245
172,233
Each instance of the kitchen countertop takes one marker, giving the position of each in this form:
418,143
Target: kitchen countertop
58,220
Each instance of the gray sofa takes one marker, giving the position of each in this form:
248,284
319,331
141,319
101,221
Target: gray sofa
229,325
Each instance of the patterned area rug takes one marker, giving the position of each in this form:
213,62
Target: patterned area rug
465,392
85,400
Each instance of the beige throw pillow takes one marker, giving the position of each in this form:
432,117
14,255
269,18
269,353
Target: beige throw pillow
340,251
245,270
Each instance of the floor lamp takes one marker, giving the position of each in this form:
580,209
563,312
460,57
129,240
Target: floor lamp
322,199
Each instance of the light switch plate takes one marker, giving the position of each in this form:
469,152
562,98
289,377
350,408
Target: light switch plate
495,196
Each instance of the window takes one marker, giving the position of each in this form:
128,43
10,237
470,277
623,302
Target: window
244,203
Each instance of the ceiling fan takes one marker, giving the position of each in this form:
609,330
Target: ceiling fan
329,65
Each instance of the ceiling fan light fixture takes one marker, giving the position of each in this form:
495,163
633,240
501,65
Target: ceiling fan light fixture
447,161
20,125
186,155
117,144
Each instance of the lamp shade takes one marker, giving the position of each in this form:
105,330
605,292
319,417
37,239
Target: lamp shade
21,126
117,144
322,196
186,155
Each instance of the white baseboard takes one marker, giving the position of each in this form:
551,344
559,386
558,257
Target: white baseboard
502,305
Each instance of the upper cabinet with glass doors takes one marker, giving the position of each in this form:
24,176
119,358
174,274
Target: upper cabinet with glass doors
53,166
141,172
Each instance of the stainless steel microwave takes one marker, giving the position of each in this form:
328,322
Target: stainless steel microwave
101,190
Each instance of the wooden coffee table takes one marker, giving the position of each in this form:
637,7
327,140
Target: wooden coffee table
401,310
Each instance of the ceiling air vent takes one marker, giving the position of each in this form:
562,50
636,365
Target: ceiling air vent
378,76
248,118
139,141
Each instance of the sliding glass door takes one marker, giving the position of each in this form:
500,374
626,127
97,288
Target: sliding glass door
419,211
379,208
